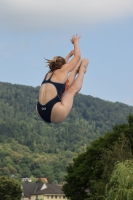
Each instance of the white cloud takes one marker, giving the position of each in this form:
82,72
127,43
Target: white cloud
46,14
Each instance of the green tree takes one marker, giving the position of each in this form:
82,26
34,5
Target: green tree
10,189
120,151
24,137
90,171
120,186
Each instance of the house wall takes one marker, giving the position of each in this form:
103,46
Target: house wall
49,197
40,197
54,197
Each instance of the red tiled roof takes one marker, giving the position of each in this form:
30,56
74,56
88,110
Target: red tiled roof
43,179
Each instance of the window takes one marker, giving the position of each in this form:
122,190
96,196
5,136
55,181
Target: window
63,197
55,197
60,197
51,197
47,197
36,197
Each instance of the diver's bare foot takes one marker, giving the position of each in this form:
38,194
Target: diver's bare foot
84,64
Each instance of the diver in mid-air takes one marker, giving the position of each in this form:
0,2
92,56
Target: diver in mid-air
60,85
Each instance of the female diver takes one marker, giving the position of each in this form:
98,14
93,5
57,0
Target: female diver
61,84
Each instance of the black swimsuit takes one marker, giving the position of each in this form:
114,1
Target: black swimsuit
45,110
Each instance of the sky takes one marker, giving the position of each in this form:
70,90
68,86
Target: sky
31,30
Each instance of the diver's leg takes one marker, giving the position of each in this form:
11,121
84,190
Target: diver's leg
61,110
73,74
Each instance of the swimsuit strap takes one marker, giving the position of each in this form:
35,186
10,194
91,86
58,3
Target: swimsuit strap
51,76
45,77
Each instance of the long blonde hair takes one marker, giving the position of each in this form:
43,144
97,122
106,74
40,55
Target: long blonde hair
56,63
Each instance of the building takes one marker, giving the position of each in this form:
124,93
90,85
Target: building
41,191
45,180
26,180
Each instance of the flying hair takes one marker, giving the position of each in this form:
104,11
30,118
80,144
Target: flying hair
56,63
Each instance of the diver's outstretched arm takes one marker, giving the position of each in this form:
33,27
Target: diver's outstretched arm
69,56
68,67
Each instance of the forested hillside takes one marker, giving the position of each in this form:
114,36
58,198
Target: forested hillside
28,146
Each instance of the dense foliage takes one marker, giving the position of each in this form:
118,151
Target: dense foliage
10,189
120,185
91,171
28,146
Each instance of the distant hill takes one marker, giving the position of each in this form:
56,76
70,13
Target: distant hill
28,146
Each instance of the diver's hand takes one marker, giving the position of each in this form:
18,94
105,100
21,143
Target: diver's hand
71,53
75,38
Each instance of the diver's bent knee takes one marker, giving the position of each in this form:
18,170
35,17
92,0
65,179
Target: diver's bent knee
74,90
